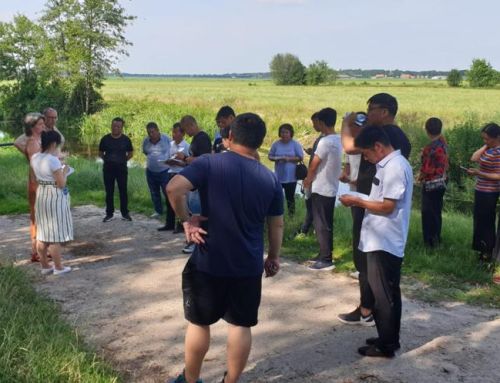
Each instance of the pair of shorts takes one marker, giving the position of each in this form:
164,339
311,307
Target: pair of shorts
208,298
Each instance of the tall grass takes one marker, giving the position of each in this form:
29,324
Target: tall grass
35,344
166,100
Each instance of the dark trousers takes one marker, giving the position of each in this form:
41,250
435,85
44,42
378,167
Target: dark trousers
156,183
483,238
308,219
289,189
432,206
115,172
170,220
323,209
384,275
360,262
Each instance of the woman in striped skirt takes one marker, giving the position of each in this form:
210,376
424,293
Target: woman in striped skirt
52,207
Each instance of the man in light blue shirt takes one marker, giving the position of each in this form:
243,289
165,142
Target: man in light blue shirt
156,147
383,235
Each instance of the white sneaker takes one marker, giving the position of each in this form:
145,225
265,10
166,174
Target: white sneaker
47,271
189,248
64,270
154,215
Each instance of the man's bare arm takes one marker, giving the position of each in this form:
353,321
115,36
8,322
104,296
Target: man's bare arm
177,189
311,171
347,137
275,237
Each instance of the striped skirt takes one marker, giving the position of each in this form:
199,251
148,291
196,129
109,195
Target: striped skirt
52,214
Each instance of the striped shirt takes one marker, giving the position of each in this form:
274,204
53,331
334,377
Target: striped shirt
489,163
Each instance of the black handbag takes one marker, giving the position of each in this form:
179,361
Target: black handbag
300,171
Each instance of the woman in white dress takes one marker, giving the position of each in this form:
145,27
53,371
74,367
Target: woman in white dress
54,224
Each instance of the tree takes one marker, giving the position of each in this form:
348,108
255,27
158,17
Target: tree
286,69
481,74
320,73
454,79
89,39
20,48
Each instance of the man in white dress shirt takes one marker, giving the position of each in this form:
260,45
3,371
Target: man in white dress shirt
383,235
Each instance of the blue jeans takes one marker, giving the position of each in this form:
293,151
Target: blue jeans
157,182
194,203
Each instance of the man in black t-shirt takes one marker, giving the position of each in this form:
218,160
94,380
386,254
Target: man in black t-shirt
225,116
200,144
382,110
223,277
116,149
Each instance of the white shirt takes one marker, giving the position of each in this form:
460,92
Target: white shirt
393,180
329,150
44,165
182,147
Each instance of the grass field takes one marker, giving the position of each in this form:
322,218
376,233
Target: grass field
166,100
36,345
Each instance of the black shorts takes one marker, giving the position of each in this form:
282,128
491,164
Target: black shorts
208,298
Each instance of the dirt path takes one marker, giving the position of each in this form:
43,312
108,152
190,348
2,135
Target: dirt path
124,296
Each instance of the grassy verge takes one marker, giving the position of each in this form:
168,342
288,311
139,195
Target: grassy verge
450,272
36,345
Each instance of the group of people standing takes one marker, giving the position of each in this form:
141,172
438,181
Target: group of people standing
226,200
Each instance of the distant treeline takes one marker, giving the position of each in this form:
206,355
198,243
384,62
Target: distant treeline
355,73
259,75
368,73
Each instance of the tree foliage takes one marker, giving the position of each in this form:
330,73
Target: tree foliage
482,75
320,73
286,69
64,55
454,79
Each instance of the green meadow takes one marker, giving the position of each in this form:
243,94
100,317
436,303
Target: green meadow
140,100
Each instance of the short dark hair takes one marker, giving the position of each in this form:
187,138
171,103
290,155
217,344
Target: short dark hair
433,126
152,125
369,136
177,125
288,127
491,129
30,120
328,116
249,130
224,112
49,137
386,101
314,116
118,119
188,119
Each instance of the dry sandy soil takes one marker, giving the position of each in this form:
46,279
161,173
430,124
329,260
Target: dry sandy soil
124,296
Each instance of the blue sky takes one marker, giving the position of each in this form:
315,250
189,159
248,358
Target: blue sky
221,36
